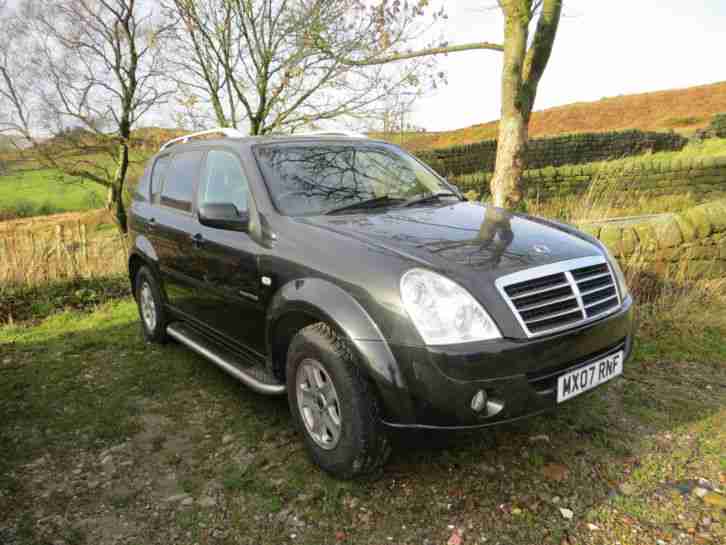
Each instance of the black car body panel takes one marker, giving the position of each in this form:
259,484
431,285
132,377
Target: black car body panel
241,288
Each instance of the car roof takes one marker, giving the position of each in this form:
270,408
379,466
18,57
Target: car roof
268,139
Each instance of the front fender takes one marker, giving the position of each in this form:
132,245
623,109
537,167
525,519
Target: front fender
328,302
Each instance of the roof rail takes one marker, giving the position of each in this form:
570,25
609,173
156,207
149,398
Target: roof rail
229,133
349,134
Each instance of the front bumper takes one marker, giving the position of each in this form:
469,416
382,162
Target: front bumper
520,376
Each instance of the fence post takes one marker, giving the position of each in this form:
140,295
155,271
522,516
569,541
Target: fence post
84,246
5,260
32,266
59,250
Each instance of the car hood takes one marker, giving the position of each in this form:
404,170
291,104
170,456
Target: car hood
462,238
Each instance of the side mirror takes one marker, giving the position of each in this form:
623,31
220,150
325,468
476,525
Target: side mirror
223,216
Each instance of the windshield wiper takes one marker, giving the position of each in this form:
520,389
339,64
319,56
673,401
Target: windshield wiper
428,197
368,203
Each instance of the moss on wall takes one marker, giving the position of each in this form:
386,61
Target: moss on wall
693,241
704,177
573,149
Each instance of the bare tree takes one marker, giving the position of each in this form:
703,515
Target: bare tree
96,70
526,55
16,77
396,112
266,63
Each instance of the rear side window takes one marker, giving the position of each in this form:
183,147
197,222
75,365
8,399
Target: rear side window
157,177
180,181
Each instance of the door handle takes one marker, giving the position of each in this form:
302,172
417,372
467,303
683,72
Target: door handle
197,240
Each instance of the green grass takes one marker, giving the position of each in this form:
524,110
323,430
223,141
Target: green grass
80,385
40,192
28,189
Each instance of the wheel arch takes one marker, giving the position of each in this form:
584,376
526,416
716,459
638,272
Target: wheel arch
142,253
304,302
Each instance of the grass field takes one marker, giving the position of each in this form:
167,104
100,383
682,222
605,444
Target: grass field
105,439
40,192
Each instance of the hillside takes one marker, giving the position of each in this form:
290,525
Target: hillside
678,109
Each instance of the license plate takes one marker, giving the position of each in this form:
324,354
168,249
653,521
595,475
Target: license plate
588,377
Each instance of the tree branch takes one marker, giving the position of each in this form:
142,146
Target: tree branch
444,50
539,52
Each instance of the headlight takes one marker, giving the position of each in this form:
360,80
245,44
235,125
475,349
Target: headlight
619,276
443,311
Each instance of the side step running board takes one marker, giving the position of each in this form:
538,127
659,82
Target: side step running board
252,376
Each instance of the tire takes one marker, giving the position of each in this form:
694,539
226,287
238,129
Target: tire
153,317
362,446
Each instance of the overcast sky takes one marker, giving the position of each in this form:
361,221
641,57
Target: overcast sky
603,48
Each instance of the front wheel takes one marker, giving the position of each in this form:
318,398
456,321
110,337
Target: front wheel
333,404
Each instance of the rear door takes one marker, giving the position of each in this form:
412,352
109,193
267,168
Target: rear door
231,303
174,226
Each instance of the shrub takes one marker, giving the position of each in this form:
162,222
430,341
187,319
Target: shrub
28,209
718,125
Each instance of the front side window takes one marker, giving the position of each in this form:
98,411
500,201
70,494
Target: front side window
180,181
309,179
224,181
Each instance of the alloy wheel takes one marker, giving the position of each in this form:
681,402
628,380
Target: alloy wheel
318,403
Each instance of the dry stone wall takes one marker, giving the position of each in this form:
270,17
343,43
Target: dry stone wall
573,149
704,178
693,241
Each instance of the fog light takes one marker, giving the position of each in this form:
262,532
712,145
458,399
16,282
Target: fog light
479,401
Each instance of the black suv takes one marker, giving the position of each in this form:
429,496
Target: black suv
350,276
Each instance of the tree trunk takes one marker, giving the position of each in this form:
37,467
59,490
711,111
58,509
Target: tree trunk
115,205
506,185
116,191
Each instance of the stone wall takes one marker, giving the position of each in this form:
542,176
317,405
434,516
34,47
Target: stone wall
571,149
702,177
693,241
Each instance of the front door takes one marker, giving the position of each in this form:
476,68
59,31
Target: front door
174,224
229,259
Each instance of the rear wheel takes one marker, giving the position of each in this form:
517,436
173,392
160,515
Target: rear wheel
333,404
151,307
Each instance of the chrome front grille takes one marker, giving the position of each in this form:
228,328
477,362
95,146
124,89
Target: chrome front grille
560,296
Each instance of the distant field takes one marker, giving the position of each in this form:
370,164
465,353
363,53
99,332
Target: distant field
683,110
29,190
39,192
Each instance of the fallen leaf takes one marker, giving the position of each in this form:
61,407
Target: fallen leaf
555,472
566,513
717,500
627,489
455,538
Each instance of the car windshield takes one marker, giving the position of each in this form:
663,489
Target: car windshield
312,179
